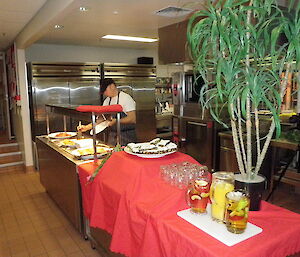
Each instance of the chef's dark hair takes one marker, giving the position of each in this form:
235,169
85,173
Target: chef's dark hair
104,83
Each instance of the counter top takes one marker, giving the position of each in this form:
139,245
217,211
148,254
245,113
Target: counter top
164,116
61,150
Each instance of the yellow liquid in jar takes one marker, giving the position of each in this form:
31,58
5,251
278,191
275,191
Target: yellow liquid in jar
218,192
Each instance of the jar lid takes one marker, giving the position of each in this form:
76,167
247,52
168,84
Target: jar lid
223,175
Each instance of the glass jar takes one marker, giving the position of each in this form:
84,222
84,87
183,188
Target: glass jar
222,183
237,208
197,195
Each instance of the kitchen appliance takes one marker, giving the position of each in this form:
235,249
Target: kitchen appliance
196,134
139,82
63,83
163,107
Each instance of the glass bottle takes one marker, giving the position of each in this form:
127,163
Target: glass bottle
222,183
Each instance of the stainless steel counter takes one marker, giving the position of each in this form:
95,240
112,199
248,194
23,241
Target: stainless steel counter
58,174
60,150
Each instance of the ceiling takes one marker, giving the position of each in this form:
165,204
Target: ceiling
14,15
122,17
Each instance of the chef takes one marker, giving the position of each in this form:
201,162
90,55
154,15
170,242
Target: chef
128,117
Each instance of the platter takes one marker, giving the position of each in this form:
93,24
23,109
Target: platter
88,153
62,135
100,127
147,156
83,143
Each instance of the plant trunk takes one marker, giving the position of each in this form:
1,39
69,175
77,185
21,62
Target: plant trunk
237,145
272,127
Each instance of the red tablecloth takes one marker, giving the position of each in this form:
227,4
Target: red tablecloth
129,200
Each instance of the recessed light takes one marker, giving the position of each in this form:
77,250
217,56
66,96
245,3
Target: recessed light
83,9
115,12
138,39
57,26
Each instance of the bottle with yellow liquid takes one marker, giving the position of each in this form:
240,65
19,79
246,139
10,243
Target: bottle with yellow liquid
222,183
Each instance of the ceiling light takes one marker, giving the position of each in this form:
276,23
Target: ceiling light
139,39
83,9
57,26
115,12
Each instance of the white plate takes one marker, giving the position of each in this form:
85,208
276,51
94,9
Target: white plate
86,142
148,156
54,135
100,127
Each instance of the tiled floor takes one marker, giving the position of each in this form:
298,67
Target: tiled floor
32,225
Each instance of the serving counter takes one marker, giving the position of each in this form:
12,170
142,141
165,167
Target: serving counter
58,174
58,167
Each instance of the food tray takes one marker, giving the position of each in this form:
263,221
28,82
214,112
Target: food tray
79,153
67,143
217,230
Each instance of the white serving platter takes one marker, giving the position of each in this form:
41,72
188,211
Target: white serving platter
86,142
100,127
54,135
217,230
147,156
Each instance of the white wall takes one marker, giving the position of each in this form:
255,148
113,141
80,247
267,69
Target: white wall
74,53
21,117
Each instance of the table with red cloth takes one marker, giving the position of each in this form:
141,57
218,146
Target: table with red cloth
129,200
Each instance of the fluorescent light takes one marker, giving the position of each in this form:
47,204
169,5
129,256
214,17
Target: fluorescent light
139,39
83,9
57,26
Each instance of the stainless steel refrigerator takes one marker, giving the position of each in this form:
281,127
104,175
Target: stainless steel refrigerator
63,83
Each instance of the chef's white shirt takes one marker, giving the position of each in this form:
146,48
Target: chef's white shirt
125,101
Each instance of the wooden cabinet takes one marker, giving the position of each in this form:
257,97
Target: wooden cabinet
228,161
227,157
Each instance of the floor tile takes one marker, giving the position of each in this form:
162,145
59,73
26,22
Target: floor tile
56,253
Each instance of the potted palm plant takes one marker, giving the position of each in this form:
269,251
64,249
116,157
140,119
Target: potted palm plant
235,48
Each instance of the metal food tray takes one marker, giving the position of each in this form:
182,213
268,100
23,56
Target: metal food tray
90,156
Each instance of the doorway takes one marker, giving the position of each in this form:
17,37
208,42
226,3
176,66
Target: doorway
5,121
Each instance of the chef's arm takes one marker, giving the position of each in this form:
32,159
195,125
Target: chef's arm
129,119
84,128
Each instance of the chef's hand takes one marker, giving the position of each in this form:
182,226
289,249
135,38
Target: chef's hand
83,128
112,122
